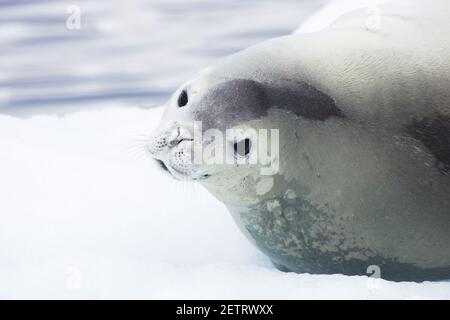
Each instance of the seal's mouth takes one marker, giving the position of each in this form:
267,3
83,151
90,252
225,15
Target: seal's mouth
163,167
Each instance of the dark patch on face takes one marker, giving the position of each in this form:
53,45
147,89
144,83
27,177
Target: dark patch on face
302,99
434,133
237,101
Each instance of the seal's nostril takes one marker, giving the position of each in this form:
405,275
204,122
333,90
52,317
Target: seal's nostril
178,135
175,138
177,141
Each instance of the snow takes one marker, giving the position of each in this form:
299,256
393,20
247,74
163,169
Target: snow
85,214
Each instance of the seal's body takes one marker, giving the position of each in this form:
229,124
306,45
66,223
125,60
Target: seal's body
364,153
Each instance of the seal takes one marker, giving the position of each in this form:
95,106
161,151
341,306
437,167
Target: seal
360,177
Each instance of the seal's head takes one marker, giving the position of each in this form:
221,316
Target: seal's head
223,131
209,131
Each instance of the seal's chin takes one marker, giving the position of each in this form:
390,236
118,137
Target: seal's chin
173,173
162,165
179,175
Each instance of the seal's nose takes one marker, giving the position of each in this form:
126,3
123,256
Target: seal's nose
177,136
174,137
161,143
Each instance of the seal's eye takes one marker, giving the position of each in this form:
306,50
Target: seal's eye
183,99
242,148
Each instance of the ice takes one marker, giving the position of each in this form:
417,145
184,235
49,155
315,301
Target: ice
85,214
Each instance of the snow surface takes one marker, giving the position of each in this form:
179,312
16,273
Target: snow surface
86,215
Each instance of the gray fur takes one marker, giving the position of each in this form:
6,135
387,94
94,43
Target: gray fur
237,101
